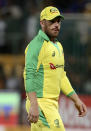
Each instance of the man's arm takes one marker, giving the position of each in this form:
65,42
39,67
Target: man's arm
33,112
80,106
67,89
29,81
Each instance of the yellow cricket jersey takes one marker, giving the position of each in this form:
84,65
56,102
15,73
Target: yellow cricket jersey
44,68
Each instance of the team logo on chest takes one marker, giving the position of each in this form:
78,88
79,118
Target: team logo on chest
53,54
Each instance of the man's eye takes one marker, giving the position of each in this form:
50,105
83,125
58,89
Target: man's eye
59,21
52,21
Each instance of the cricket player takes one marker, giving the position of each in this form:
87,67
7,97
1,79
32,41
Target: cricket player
44,75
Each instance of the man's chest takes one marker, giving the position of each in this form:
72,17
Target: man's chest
53,53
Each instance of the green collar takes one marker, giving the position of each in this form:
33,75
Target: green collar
41,33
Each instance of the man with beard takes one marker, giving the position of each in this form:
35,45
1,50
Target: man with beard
45,77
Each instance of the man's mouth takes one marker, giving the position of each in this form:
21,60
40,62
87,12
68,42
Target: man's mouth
55,29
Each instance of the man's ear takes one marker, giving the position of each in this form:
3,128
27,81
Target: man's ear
42,23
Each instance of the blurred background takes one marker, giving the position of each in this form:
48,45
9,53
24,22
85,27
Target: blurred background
19,23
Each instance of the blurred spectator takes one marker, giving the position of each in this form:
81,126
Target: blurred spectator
87,8
83,27
14,28
3,3
87,83
87,86
12,81
2,83
31,24
83,31
87,11
18,69
2,33
2,78
77,6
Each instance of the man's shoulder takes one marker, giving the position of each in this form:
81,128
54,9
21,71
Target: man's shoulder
35,44
36,40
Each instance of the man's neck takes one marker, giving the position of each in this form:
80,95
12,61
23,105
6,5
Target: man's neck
53,40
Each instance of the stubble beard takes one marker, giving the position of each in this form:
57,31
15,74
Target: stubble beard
50,34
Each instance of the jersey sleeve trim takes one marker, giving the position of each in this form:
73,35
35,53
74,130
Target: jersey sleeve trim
71,93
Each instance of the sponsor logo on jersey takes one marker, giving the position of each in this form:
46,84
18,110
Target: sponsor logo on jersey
52,66
53,54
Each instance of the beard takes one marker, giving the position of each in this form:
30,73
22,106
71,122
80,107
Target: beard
52,33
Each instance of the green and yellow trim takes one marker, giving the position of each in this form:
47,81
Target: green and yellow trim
42,118
71,93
